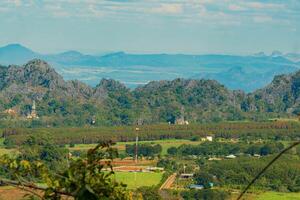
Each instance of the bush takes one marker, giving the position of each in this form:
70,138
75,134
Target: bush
172,150
206,194
149,193
71,145
195,138
145,149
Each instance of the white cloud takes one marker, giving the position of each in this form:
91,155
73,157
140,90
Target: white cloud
168,9
17,2
235,7
262,19
260,5
226,12
56,10
94,11
253,6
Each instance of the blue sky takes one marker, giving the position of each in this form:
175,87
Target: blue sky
152,26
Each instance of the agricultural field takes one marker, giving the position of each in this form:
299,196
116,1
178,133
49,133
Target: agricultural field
167,143
278,196
229,130
11,193
267,196
242,139
134,180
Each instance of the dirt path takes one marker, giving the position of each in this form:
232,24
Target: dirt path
168,183
10,193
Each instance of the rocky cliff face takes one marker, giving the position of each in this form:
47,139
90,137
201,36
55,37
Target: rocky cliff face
281,95
109,87
37,80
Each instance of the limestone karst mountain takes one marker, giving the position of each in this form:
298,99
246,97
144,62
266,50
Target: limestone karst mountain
75,103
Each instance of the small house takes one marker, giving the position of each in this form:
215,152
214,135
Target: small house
207,138
214,158
155,169
196,187
231,156
186,176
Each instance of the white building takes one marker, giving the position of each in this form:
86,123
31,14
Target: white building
209,138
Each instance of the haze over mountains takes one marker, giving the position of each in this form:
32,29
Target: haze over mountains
235,72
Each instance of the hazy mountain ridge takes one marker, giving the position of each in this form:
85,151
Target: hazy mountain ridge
111,102
248,72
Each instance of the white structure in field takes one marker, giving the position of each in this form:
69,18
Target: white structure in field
33,114
181,121
231,156
10,111
207,138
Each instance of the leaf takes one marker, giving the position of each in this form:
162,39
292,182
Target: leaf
88,187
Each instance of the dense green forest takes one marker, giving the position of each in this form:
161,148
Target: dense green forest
73,103
222,149
235,173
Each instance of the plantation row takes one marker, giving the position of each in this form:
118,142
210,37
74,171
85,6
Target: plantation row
282,176
224,148
242,131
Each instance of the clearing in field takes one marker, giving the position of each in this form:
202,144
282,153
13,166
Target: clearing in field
279,196
134,180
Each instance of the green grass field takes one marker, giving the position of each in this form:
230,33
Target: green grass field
164,143
121,145
278,196
138,179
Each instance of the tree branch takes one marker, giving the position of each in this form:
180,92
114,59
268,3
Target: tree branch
29,185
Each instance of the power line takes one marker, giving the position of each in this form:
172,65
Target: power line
266,167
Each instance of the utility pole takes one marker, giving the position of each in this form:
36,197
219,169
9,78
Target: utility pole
136,144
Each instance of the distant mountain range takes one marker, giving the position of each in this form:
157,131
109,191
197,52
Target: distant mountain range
236,72
73,103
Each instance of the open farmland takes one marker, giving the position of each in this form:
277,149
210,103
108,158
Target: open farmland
283,130
167,143
134,180
278,196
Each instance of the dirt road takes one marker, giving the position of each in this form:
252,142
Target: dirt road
168,183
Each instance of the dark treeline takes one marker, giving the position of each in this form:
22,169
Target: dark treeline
247,131
205,194
147,150
223,149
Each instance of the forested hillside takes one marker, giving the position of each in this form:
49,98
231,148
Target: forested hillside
73,103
